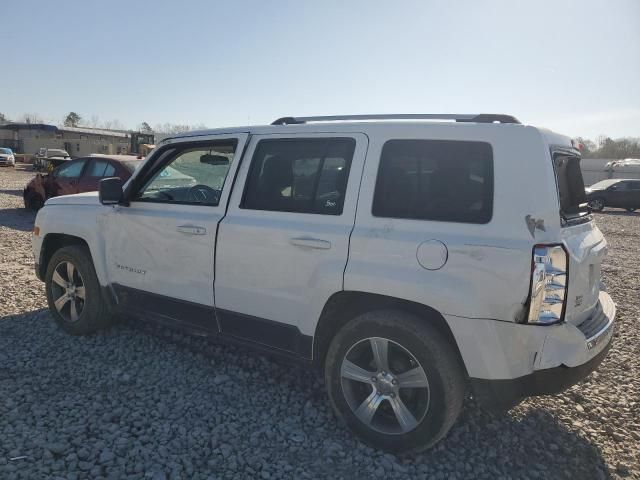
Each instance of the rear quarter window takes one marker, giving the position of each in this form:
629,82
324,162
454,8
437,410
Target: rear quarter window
439,180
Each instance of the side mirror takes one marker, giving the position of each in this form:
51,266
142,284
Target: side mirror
110,191
210,159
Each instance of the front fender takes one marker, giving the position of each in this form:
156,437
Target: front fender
80,222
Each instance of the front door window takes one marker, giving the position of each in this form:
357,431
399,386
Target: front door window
194,176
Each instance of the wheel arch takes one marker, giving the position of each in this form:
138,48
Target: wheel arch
345,305
52,243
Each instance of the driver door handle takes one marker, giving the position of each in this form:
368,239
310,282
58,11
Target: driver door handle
192,229
310,242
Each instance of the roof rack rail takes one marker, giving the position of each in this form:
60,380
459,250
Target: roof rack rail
474,117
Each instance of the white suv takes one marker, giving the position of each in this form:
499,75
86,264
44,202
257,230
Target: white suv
412,258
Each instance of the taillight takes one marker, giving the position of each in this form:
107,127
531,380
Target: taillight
549,282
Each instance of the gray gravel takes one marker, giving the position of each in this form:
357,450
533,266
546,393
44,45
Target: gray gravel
140,401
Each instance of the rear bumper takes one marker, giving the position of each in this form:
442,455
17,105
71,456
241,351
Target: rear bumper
508,361
504,394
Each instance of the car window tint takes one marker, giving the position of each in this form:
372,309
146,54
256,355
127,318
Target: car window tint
70,170
194,175
97,168
109,170
307,175
435,180
620,186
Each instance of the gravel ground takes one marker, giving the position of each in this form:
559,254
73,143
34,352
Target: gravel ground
140,401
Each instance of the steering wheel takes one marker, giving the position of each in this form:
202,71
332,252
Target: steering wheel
203,194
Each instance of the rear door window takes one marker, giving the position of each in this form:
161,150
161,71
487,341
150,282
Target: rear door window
100,168
441,180
304,175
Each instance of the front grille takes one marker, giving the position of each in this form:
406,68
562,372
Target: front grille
596,322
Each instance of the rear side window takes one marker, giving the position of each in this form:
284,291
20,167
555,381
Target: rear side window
570,183
101,168
299,175
435,180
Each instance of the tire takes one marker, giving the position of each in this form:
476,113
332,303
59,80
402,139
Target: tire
597,204
92,312
33,201
407,336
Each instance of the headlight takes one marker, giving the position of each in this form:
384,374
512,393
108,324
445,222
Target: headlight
548,294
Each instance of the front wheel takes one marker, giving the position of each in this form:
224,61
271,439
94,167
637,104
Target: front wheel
394,380
33,201
73,292
597,204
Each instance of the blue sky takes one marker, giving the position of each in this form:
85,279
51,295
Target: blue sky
573,66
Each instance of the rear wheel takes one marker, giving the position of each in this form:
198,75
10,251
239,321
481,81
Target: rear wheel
597,204
394,380
73,292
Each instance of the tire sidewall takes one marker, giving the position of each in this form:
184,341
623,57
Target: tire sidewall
81,260
34,201
601,203
367,326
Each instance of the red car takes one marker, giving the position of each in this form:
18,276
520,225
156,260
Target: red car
76,176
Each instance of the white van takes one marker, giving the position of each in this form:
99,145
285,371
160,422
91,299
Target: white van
408,258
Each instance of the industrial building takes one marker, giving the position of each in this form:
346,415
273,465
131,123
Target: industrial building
28,138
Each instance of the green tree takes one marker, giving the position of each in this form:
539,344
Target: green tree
145,127
72,120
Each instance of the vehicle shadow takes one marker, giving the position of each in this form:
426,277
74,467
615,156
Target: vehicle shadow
17,219
620,213
16,193
240,401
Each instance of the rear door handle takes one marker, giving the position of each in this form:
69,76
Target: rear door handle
192,229
310,242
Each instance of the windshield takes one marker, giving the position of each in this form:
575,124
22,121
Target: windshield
601,185
5,151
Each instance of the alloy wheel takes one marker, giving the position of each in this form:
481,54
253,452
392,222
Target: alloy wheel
596,204
68,291
385,386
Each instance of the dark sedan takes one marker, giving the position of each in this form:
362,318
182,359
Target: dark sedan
614,192
77,176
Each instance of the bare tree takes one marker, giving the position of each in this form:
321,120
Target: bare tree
31,118
114,124
3,118
94,121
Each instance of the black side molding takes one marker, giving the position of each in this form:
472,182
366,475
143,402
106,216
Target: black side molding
258,333
277,335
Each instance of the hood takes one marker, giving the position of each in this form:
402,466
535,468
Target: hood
6,155
88,198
